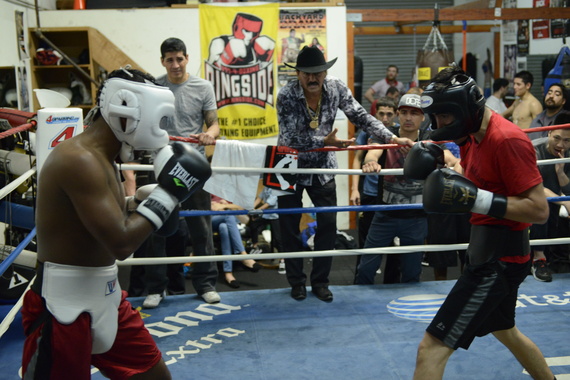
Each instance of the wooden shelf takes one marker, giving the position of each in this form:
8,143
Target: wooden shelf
90,50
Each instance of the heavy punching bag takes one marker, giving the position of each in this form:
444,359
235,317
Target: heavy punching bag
433,57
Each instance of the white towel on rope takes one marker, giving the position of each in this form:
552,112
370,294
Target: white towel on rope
240,189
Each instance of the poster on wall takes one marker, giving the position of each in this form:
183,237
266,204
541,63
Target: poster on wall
297,29
20,36
510,62
559,28
523,37
238,45
22,84
540,28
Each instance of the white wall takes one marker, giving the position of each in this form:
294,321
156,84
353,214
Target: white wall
139,33
8,43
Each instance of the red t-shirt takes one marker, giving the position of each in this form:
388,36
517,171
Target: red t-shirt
503,163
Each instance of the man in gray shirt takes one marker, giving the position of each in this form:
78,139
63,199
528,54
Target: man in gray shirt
195,105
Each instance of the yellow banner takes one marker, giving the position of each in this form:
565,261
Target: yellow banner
238,45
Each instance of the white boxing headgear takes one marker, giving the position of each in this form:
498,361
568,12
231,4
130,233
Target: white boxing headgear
143,105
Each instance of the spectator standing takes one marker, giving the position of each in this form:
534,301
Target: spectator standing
195,106
495,101
366,192
410,226
526,107
306,110
380,88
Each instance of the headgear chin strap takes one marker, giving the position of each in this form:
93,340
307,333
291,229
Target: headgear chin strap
143,105
462,99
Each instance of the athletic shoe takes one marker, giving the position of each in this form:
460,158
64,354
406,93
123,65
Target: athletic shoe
255,251
211,297
540,271
281,269
153,300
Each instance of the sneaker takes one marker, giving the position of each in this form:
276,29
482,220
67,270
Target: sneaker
540,271
153,300
255,250
211,297
281,269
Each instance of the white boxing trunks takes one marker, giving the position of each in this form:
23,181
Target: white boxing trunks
71,290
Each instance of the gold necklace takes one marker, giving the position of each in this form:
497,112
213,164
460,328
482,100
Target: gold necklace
314,124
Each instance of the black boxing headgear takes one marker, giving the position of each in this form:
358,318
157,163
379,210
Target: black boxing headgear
247,22
460,98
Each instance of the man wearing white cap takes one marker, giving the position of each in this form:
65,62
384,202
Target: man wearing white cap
409,225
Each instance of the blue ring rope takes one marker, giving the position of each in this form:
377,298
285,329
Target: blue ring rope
12,256
313,210
412,206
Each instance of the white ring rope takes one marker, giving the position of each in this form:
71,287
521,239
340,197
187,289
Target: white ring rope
236,170
305,254
16,182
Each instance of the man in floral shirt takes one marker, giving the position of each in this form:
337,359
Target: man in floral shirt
306,109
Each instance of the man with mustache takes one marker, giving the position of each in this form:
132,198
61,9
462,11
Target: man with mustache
554,102
306,110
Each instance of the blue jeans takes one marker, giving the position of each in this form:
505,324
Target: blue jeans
383,230
230,238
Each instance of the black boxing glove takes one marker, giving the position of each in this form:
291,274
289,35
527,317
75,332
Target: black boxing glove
448,192
181,170
158,206
422,159
171,224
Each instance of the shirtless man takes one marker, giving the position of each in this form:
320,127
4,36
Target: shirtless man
75,314
526,107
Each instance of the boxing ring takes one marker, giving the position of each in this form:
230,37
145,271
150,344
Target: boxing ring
367,332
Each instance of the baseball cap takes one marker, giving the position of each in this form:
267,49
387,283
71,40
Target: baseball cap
412,101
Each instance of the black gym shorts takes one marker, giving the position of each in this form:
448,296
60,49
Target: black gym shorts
482,301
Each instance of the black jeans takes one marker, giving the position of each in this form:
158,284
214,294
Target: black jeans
154,279
321,196
157,278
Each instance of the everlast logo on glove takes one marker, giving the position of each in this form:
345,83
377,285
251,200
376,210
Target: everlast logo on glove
449,193
466,197
181,177
447,196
